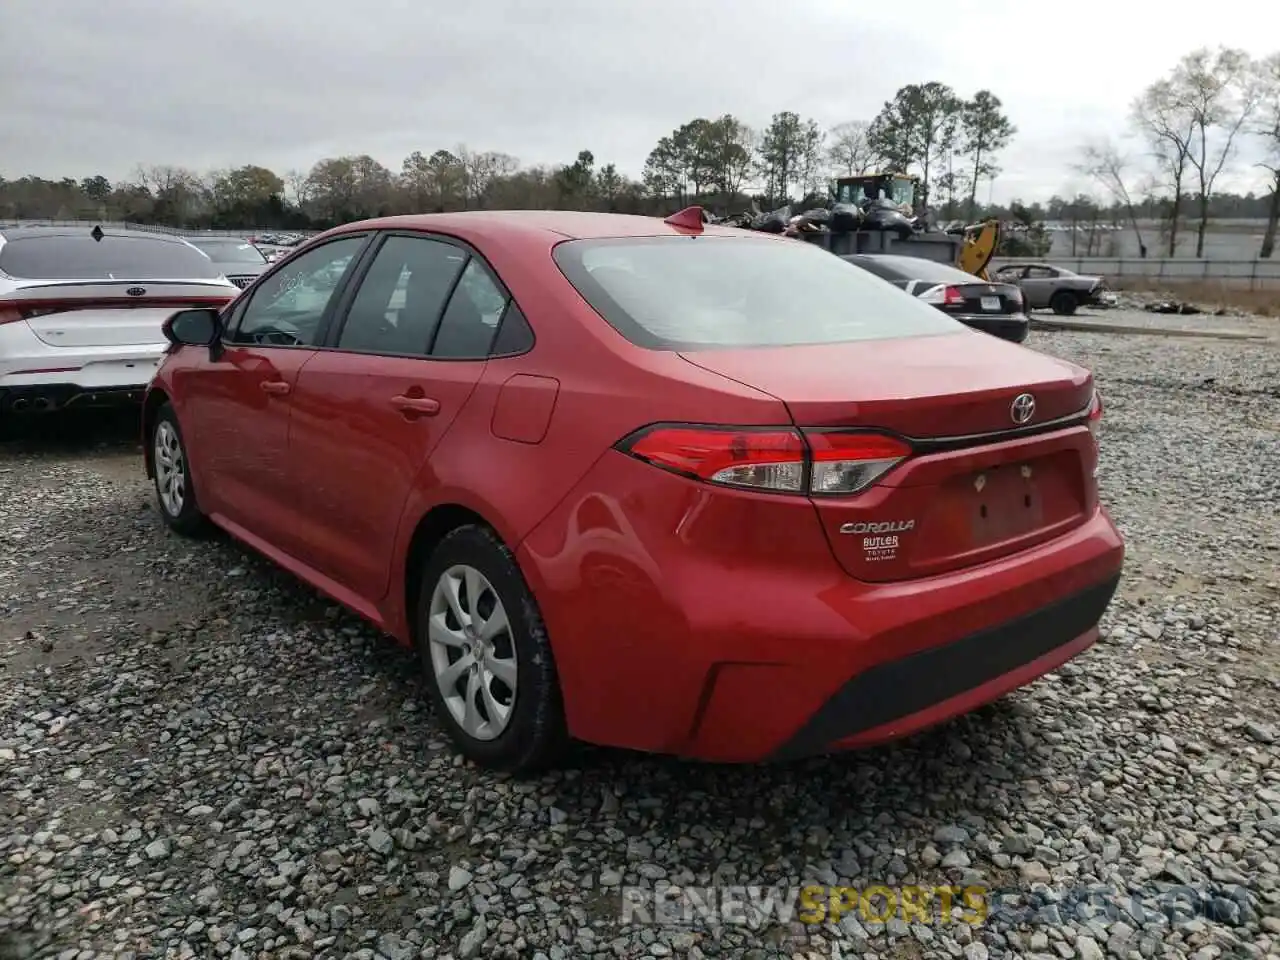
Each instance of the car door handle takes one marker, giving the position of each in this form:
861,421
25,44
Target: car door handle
424,406
274,387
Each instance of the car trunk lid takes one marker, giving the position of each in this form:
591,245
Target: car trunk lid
978,485
107,313
950,385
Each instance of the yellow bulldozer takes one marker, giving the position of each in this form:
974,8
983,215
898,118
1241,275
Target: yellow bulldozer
978,242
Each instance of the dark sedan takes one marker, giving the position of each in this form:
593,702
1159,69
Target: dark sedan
994,308
238,260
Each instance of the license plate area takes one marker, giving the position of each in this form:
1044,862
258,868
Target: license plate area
1005,502
991,304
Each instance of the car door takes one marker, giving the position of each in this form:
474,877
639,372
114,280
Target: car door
236,406
1038,285
405,354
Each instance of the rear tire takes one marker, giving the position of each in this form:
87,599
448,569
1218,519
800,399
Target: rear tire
488,663
1064,303
175,491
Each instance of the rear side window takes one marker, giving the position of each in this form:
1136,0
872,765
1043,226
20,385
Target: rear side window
471,321
686,293
400,300
915,268
111,258
874,266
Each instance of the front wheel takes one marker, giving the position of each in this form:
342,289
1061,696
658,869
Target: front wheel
1064,303
487,658
175,492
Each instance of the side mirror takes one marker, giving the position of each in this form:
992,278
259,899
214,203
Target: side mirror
199,327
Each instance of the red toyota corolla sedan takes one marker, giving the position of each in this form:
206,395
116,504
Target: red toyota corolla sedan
645,483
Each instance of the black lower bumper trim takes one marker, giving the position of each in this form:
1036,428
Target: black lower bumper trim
899,688
51,397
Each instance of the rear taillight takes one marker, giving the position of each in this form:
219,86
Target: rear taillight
9,315
1094,419
943,296
849,462
780,460
1095,414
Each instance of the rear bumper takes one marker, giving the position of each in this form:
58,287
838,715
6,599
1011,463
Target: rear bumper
902,696
680,629
34,371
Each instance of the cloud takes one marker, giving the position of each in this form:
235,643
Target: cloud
102,87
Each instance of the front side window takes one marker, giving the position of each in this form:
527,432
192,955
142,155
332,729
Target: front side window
686,293
401,299
288,307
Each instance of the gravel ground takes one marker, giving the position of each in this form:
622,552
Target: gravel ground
201,757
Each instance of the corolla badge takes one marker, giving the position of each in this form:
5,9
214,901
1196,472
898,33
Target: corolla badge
1023,408
887,526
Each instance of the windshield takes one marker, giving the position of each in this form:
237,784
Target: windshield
64,257
230,251
674,293
898,191
902,191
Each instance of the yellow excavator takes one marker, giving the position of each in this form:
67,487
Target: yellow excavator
978,243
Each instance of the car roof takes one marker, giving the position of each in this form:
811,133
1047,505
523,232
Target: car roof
553,225
26,233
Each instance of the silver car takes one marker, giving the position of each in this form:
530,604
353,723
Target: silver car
1057,288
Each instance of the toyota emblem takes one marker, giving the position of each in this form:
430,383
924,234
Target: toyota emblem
1023,408
136,291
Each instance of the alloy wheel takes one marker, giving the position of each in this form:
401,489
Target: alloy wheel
473,654
171,469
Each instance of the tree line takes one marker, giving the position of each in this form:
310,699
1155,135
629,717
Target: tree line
1186,130
1215,111
950,141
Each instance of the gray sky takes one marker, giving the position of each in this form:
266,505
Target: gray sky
99,86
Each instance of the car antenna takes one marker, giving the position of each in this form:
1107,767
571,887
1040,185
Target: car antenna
97,233
690,218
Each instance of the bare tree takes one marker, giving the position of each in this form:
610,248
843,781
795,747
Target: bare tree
178,192
850,152
812,170
1267,129
1103,162
1166,123
296,184
1219,90
481,169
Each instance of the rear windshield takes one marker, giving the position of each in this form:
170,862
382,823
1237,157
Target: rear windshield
113,258
912,268
230,251
676,293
